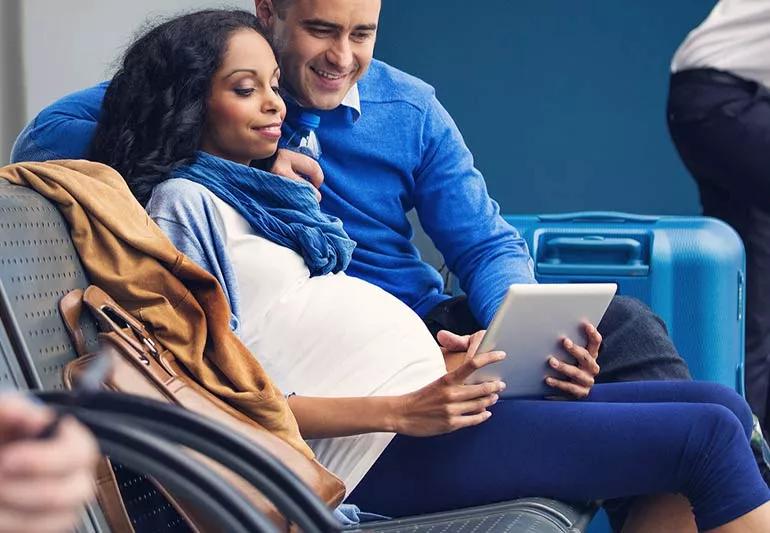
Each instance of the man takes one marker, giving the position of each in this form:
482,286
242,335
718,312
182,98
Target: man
719,119
389,146
44,482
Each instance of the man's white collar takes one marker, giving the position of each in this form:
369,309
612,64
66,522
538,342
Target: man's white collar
353,100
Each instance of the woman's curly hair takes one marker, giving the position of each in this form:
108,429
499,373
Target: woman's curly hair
154,110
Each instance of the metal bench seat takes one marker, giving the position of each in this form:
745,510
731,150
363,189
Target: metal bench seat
39,265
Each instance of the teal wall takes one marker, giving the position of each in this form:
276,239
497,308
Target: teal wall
562,102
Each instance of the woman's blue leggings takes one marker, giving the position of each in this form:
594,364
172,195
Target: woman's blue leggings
624,440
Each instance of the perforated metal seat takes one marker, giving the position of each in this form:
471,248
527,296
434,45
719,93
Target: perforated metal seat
11,376
527,515
39,265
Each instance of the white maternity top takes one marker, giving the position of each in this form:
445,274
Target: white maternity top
331,335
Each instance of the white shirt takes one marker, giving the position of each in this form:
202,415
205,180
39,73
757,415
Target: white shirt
327,336
734,37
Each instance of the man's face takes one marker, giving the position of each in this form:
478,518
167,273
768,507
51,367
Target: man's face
324,47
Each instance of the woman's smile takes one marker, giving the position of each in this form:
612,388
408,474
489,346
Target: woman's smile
271,131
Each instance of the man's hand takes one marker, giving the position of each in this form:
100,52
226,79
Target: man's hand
580,377
296,166
458,348
43,482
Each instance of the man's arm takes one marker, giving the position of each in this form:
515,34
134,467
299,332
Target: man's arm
63,130
485,252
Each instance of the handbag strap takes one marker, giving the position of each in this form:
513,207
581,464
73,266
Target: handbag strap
107,311
110,500
70,309
115,321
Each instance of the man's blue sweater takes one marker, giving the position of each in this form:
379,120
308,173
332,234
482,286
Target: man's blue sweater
402,151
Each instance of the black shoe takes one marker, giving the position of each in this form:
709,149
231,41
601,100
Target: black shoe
761,450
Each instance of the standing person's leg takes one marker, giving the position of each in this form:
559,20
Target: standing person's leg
753,226
758,305
574,451
722,133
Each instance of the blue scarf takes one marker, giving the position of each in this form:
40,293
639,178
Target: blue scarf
281,210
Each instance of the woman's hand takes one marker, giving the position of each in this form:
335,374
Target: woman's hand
580,377
448,404
443,406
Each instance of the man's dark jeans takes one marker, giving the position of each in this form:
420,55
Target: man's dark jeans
720,124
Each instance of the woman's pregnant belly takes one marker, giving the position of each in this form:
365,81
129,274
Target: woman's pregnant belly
338,336
335,335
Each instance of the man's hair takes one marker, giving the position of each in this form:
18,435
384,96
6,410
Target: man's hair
154,110
281,6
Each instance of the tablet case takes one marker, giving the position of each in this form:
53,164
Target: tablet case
689,270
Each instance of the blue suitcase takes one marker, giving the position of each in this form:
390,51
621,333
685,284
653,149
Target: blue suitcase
689,270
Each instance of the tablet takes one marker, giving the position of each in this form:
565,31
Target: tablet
528,327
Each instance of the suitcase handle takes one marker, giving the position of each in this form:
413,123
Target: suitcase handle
592,255
599,216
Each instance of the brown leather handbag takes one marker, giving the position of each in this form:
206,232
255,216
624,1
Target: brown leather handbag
141,366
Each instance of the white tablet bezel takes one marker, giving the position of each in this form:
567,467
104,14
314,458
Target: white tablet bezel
528,326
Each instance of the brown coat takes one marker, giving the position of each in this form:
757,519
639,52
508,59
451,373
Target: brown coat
126,254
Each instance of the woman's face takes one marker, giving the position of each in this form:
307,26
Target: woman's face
244,116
